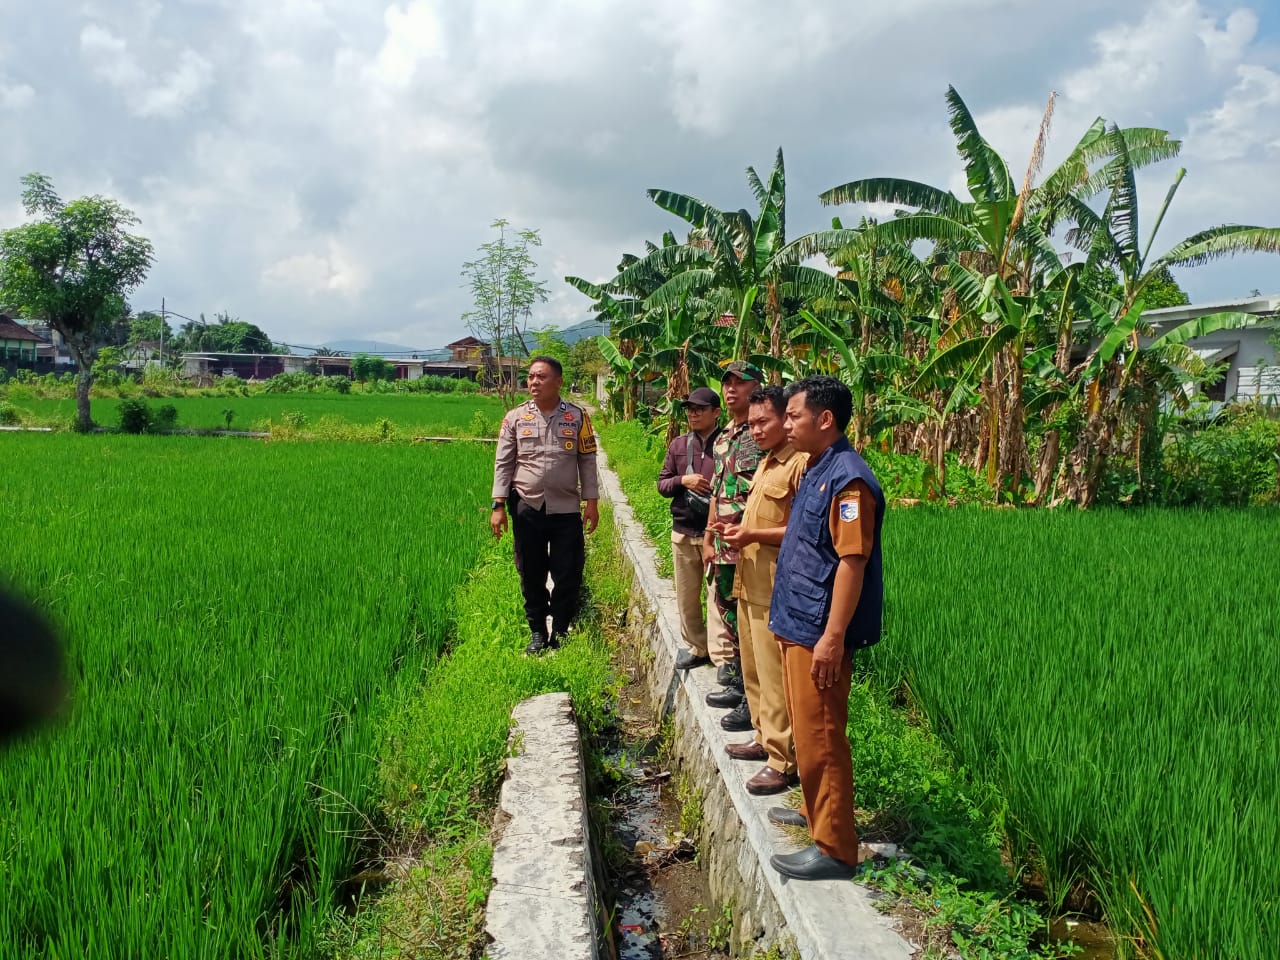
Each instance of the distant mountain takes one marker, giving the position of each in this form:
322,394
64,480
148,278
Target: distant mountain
580,331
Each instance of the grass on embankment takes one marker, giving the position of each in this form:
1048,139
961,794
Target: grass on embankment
445,744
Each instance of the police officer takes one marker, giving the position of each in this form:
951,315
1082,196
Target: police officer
544,470
827,601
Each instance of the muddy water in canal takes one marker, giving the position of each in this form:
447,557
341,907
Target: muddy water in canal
662,905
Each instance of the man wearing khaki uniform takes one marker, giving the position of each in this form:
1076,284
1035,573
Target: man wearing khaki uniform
544,474
757,538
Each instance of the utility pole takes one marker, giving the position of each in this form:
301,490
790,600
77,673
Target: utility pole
162,326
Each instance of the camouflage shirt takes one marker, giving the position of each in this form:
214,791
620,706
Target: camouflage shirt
737,457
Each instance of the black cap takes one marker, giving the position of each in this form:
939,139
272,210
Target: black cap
702,397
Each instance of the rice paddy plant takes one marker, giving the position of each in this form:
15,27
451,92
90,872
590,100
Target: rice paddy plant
415,414
1114,675
237,616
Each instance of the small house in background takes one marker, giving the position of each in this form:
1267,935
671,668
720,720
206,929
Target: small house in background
468,350
1250,357
20,346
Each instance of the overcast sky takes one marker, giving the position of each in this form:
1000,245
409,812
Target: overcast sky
324,167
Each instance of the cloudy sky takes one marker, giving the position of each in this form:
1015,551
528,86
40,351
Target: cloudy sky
324,167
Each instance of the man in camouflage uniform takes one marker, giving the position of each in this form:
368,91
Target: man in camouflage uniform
737,457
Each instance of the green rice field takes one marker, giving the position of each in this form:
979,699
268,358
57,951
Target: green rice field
422,414
1114,674
236,616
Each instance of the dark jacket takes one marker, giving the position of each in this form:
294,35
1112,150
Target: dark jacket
675,466
807,560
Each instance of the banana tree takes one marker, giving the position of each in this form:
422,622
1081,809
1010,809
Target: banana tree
731,264
1112,239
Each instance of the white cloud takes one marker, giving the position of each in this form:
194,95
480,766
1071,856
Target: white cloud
16,96
314,274
163,94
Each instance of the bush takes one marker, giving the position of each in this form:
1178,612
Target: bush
135,415
165,419
1231,462
9,415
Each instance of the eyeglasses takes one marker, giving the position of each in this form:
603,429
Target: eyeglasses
696,408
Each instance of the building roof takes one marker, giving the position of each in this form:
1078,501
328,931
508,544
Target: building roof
467,342
1261,306
12,330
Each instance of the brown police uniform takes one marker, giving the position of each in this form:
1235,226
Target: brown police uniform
768,505
545,467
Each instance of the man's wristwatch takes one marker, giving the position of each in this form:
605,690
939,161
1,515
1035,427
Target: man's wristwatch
499,504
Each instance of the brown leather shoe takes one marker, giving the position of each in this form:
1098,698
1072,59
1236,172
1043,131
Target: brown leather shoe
768,781
746,751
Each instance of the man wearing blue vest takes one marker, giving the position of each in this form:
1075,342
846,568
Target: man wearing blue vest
826,603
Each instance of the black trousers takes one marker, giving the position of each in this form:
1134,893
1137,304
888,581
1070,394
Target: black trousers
548,543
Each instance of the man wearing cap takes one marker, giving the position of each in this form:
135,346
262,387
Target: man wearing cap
757,539
688,469
827,602
737,457
544,471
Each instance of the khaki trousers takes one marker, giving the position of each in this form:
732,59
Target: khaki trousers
819,719
686,572
722,615
765,685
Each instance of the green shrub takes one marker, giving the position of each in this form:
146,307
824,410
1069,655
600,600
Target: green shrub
135,415
9,415
165,418
1231,462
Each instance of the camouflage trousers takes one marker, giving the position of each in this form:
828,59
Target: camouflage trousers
722,614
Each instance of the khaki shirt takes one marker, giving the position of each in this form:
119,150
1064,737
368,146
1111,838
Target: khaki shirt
547,458
768,505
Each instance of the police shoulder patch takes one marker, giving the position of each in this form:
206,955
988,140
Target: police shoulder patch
849,510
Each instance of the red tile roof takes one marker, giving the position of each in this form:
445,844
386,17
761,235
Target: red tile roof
12,330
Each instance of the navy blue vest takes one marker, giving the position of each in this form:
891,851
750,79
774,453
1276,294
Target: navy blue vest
807,560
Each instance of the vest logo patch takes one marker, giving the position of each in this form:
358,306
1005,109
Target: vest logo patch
568,432
526,432
568,444
849,511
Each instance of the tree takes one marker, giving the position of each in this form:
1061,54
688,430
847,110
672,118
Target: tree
503,290
226,334
72,266
549,343
149,326
365,368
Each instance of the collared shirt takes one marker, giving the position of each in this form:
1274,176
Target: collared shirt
737,457
676,465
547,458
768,505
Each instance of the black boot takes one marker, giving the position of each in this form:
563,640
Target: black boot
539,642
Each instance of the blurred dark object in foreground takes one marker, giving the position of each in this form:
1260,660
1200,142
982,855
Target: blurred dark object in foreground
32,687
